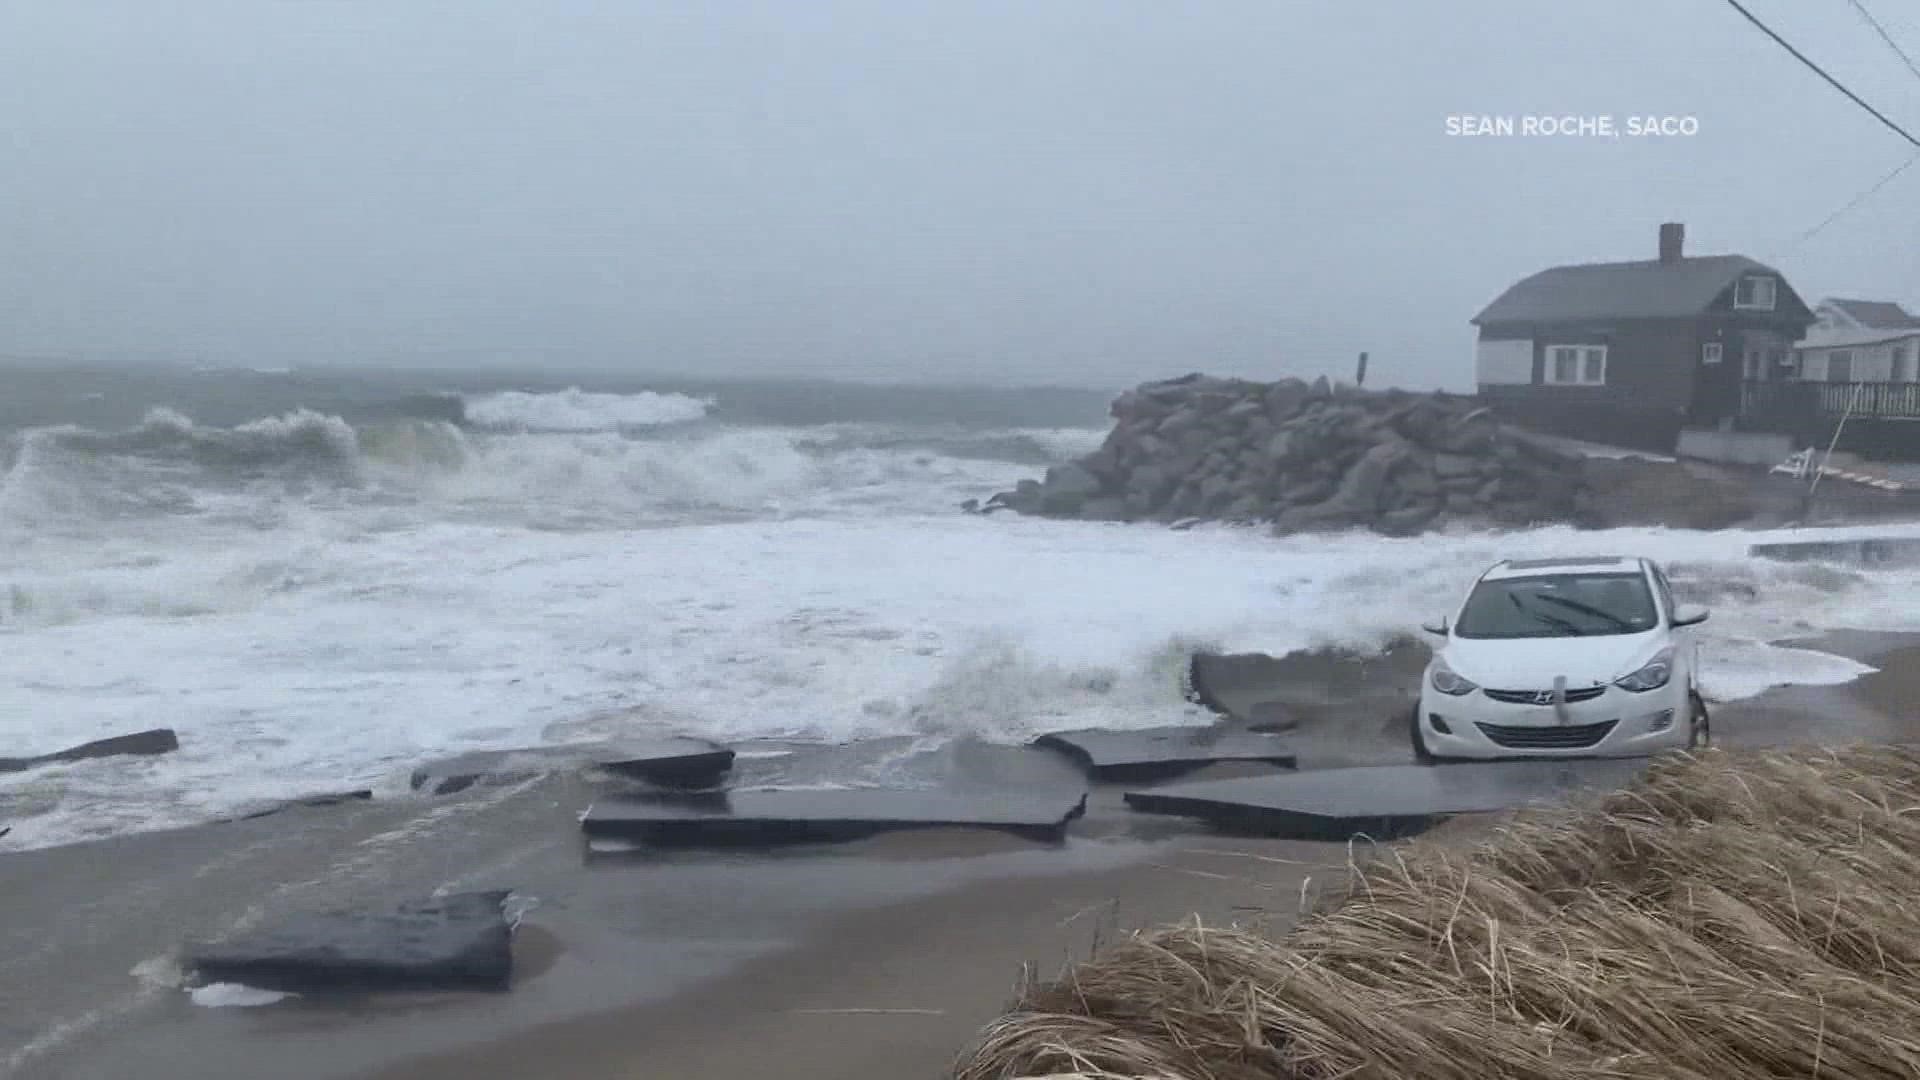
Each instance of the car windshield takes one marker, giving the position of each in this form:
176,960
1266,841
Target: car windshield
1559,605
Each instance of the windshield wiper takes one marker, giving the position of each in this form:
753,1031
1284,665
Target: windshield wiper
1565,626
1589,609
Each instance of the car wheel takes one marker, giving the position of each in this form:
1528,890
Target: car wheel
1699,723
1420,752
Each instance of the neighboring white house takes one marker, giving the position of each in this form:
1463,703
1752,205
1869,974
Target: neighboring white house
1859,341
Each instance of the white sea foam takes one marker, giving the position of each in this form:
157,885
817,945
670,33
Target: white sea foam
1734,668
315,608
350,656
574,409
234,996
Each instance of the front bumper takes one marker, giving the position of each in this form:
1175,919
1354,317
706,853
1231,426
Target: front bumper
1617,723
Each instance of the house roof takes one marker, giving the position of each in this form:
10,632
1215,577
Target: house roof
1851,338
1620,290
1876,314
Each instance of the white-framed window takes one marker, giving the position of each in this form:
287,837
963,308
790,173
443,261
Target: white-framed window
1710,353
1755,291
1840,365
1576,365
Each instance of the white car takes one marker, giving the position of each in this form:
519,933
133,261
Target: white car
1564,658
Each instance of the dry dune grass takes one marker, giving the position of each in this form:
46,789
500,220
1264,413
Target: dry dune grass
1733,915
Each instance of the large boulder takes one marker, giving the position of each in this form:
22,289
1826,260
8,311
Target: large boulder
1244,411
1284,399
1287,445
1451,466
1151,482
1180,420
1359,493
1066,488
1246,508
1216,492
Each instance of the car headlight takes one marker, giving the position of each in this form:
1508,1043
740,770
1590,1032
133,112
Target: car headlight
1448,681
1653,676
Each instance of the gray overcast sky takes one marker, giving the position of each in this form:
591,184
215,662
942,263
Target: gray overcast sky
1083,191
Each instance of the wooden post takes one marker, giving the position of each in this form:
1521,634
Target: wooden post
1837,428
1360,374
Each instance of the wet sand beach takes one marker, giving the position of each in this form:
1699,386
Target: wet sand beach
876,958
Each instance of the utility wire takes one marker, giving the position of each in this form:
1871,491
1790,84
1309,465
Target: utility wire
1884,36
1855,201
1818,70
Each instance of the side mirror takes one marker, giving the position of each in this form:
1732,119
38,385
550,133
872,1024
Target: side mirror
1689,615
1436,628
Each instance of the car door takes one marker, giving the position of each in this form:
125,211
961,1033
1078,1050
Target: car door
1686,652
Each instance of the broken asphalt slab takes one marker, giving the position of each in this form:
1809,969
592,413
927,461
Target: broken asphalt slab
156,741
331,798
458,942
1024,790
668,762
775,816
1160,753
1382,801
675,762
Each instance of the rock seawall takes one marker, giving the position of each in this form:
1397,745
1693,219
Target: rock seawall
1304,457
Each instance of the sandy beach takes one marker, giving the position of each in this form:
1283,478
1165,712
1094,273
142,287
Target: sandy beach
875,958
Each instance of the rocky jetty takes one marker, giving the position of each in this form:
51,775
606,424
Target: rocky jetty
1305,457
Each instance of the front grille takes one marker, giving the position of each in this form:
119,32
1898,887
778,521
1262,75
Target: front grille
1570,737
1534,697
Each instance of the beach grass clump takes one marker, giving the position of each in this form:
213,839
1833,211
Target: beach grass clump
1732,914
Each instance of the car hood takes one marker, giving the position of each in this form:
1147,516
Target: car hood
1533,663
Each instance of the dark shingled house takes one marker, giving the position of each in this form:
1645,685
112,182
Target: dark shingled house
1631,353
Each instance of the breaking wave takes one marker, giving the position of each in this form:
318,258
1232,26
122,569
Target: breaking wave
167,464
303,440
576,410
257,473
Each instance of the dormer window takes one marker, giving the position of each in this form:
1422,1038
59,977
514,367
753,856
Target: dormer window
1755,292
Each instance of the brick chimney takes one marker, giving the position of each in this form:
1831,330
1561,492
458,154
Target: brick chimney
1672,236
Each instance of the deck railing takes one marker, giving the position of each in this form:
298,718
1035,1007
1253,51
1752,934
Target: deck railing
1881,400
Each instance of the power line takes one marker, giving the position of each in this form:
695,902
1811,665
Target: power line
1855,201
1884,36
1883,181
1818,70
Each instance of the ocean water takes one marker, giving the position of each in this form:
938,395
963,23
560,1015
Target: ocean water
321,580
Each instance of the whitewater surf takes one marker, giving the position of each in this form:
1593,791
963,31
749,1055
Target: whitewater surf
319,603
